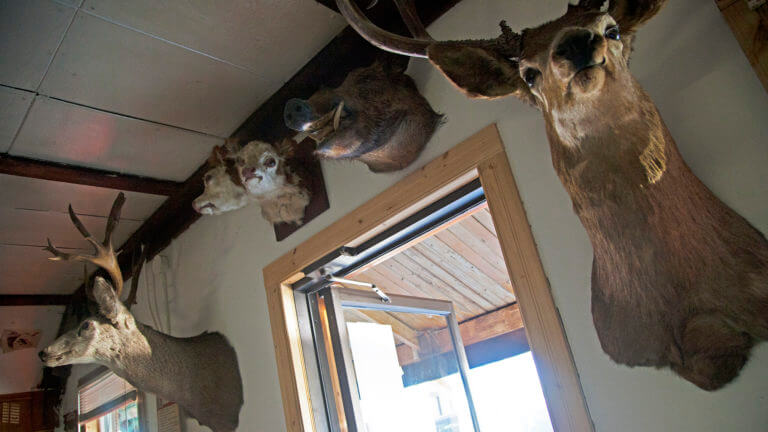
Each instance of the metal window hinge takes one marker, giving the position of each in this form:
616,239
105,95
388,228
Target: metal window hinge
385,298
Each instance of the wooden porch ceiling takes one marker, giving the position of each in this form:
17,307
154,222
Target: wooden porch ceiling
461,262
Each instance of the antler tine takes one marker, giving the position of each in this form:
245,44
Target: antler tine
591,4
411,18
137,266
381,38
114,218
104,255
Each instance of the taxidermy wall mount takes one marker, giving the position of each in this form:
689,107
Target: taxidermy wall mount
679,279
199,373
285,180
376,116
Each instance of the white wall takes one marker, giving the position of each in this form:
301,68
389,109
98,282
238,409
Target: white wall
688,61
20,370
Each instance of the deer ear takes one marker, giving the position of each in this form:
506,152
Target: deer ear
106,298
631,15
477,72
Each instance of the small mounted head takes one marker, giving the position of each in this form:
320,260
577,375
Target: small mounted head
98,339
364,118
261,168
224,191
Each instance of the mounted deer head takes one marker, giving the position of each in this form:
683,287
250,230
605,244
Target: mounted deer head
224,192
199,373
679,279
376,116
269,180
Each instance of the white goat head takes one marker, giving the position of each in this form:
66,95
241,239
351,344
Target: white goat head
224,191
269,179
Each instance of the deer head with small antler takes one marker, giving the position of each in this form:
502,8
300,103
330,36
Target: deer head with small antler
199,373
678,279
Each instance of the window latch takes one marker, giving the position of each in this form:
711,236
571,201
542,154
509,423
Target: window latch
384,298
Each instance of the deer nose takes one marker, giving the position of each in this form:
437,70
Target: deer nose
578,47
41,354
298,114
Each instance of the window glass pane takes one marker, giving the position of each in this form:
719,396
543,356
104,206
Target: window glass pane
508,396
400,390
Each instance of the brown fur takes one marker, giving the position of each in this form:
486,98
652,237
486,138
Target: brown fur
679,279
387,123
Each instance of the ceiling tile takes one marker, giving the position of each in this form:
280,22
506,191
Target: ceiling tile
64,132
27,270
248,33
28,227
114,68
36,194
32,29
13,106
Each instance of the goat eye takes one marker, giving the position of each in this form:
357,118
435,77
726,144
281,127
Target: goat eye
269,163
612,32
530,75
85,326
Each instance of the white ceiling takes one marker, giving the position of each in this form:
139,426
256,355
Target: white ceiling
141,87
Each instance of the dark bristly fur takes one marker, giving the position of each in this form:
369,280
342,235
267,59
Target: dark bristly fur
389,121
679,279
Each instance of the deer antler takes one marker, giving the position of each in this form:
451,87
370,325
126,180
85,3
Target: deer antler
139,258
507,45
411,18
591,4
104,256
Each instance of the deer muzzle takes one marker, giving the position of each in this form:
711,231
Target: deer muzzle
576,51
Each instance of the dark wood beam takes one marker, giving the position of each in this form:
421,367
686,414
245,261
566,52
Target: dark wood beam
54,171
34,300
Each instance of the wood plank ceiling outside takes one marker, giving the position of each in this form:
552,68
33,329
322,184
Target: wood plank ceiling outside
460,262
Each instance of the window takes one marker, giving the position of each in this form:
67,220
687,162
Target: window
108,404
320,340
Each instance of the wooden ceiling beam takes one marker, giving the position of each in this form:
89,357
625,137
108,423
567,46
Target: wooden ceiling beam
54,171
34,300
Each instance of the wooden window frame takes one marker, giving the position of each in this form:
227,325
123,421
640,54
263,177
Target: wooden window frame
481,156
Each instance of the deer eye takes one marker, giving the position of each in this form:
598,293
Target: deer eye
207,178
269,163
612,32
530,76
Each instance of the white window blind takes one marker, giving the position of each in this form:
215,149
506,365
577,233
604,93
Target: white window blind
105,389
11,413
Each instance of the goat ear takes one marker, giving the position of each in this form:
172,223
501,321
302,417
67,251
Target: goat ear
478,72
286,148
230,148
106,297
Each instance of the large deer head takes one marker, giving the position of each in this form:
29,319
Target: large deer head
376,116
200,373
679,279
